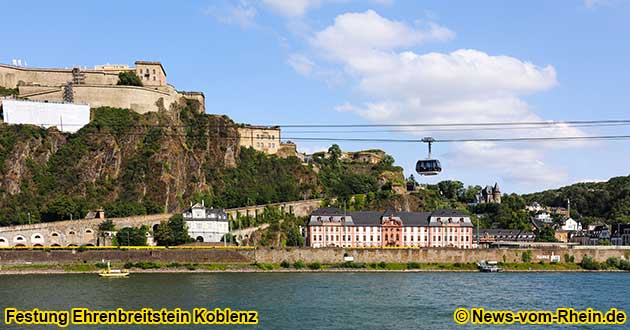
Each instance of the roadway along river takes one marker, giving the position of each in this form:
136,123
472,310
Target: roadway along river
324,300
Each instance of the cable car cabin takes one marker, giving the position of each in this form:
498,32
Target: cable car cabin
428,167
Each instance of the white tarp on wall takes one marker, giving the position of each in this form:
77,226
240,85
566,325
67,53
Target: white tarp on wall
66,117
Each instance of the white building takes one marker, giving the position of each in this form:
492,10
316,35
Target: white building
571,225
544,217
535,207
206,224
67,117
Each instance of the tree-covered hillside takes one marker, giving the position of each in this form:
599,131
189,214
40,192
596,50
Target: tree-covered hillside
591,201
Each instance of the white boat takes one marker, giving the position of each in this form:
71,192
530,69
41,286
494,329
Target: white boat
489,266
113,273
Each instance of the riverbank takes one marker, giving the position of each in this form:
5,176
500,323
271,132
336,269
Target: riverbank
285,267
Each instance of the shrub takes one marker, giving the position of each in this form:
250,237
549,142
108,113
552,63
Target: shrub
129,78
382,265
350,264
569,258
173,265
285,264
264,266
413,265
613,262
128,265
315,266
526,257
589,263
299,264
101,265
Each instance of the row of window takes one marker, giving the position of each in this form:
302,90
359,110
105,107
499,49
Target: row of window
389,237
142,78
146,71
262,145
263,136
375,229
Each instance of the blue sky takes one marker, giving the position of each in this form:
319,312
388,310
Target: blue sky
374,61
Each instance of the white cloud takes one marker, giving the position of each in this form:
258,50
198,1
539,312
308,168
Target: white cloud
292,8
243,14
397,85
518,165
301,64
353,34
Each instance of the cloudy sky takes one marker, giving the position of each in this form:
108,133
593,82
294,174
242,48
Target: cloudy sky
376,62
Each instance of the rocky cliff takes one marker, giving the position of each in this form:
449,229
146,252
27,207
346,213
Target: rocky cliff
133,164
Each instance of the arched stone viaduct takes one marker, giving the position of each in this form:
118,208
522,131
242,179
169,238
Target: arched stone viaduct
85,231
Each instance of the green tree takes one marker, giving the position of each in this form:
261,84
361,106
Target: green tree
172,232
129,236
129,78
546,234
62,207
451,189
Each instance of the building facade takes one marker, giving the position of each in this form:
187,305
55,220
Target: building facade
332,227
206,224
262,138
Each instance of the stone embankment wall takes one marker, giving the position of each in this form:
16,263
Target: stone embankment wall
84,231
265,255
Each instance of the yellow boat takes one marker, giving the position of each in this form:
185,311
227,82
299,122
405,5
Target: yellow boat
113,273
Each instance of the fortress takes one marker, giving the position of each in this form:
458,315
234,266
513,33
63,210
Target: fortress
98,87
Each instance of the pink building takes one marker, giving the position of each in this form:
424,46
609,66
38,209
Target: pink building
332,227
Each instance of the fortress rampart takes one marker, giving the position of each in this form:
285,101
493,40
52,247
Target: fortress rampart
98,87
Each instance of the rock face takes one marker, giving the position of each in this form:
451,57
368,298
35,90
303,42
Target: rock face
156,159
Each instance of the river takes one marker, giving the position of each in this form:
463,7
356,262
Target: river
323,300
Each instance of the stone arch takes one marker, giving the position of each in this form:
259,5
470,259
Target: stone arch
37,238
55,244
89,231
19,238
155,227
4,241
38,245
54,234
89,244
199,239
71,233
20,245
72,245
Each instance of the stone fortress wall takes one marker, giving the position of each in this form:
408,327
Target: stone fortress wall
99,86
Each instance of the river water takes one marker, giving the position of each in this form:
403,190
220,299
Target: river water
323,300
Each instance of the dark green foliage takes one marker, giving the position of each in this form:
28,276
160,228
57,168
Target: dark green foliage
299,264
132,236
285,264
590,264
129,78
546,234
569,258
607,201
107,225
172,232
8,91
413,265
260,179
526,257
315,266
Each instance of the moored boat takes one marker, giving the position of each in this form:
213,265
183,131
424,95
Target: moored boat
113,273
489,266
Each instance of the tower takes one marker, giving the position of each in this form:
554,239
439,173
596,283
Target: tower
496,193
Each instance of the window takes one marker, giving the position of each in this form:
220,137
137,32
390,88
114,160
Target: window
154,73
153,78
371,238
